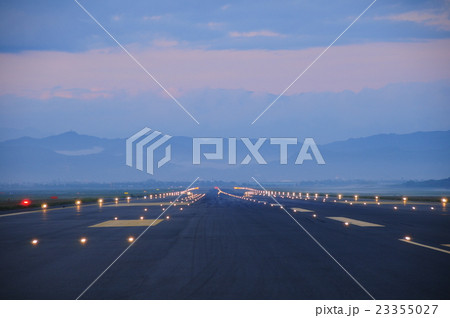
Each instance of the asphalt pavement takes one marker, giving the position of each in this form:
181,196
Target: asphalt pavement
227,247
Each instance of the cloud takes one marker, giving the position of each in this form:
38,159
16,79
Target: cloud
433,18
110,71
163,43
251,34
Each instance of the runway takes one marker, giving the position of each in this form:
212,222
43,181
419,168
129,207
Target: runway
227,247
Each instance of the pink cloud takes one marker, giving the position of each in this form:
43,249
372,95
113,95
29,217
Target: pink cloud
252,34
103,73
438,19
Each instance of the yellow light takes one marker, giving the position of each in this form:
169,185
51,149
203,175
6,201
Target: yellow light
404,200
34,242
408,238
356,197
444,200
44,205
78,202
130,239
100,200
83,240
116,199
340,196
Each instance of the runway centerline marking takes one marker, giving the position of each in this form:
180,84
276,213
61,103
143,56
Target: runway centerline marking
354,222
426,246
301,210
125,223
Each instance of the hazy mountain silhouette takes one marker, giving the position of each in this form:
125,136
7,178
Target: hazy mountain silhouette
70,157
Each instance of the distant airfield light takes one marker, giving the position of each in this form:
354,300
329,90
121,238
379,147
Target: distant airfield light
345,201
314,215
34,242
365,203
351,203
376,198
116,218
44,205
181,209
167,217
100,201
130,239
444,202
339,196
78,202
395,208
408,238
413,207
145,210
116,199
405,199
83,240
334,201
25,202
356,197
346,224
432,208
141,217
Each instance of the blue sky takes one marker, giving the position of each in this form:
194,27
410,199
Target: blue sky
225,61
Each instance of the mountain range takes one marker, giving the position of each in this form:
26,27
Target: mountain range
71,157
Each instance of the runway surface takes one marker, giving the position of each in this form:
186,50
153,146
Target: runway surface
228,247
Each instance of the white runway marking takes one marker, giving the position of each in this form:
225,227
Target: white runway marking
354,222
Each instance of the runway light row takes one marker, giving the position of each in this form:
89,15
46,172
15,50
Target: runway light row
35,242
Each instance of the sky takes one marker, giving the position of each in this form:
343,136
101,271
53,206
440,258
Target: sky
225,62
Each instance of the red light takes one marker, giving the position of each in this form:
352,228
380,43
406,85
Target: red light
25,202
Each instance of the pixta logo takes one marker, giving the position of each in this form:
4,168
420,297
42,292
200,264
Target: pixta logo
150,141
145,139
